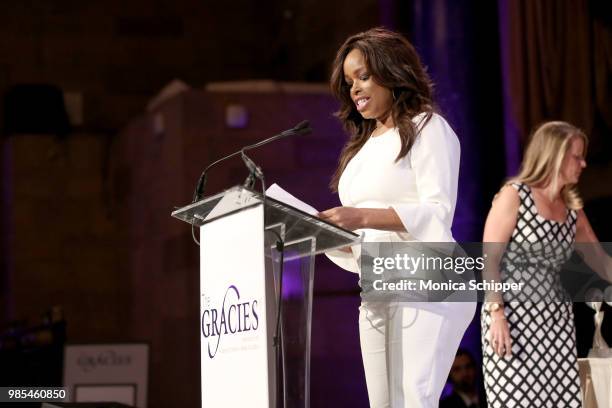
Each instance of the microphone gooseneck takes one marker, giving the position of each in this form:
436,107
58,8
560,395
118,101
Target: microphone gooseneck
302,128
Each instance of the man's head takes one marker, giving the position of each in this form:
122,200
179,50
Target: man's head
463,372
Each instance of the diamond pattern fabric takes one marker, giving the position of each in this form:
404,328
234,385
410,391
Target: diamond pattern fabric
543,369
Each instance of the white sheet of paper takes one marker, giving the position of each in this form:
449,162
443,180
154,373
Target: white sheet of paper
231,201
278,193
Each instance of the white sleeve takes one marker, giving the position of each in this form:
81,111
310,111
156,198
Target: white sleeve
345,260
434,158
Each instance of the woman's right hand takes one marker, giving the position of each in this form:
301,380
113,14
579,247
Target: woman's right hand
499,334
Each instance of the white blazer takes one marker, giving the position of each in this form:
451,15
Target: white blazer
421,187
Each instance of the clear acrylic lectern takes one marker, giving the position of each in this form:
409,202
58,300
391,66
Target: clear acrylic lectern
224,322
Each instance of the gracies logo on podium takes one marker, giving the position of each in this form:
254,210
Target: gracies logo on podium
236,317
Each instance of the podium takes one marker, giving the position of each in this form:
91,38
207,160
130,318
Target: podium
254,253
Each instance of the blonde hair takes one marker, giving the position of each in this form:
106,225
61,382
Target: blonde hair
544,156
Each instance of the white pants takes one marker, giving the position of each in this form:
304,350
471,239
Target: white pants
408,350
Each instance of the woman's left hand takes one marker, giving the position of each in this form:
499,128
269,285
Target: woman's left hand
349,218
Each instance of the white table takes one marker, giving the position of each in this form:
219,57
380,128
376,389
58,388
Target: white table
596,382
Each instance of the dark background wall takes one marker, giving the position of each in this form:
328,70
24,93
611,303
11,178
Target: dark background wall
117,54
86,223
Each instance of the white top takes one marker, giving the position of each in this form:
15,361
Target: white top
421,187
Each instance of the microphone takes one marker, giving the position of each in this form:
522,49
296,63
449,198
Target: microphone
253,168
254,171
302,128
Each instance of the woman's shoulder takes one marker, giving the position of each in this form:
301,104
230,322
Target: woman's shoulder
510,190
508,196
425,119
433,129
507,201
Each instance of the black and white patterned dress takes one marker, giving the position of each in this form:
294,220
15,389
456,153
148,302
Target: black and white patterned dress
543,369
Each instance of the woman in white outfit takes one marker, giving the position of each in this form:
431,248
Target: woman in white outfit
397,181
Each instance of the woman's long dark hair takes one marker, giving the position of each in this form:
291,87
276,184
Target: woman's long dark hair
394,64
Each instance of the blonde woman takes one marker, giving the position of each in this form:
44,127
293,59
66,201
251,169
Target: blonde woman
528,338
